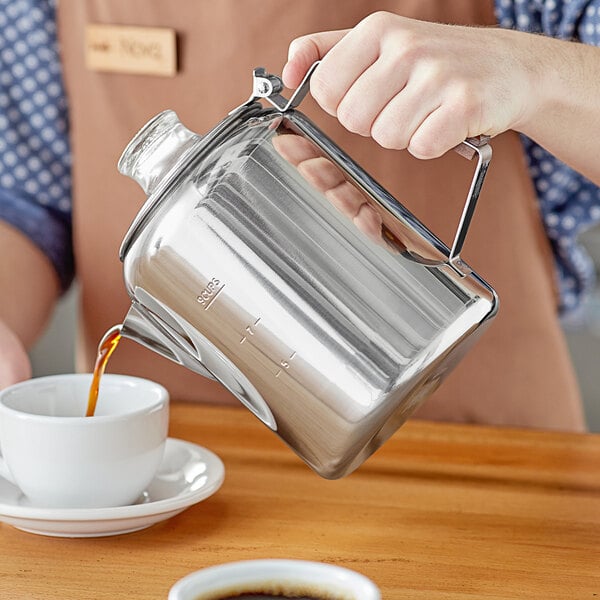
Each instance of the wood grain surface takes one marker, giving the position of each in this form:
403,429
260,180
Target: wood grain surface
441,511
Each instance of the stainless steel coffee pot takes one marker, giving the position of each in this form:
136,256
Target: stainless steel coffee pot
267,259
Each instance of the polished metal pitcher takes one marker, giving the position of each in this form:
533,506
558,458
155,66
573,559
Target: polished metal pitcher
267,259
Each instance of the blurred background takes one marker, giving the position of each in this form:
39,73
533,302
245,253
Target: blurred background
54,352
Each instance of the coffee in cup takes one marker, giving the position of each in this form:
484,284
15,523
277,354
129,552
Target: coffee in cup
270,579
58,457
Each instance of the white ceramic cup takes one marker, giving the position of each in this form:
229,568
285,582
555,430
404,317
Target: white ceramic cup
58,457
301,577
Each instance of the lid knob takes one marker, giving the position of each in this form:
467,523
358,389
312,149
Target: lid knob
155,150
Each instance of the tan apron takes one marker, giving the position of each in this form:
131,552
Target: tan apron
519,373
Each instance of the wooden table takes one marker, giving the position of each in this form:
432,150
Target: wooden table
440,512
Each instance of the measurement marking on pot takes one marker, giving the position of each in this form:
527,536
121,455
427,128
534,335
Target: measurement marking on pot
250,330
210,293
285,363
214,298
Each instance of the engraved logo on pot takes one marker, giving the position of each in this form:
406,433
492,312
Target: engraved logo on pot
209,294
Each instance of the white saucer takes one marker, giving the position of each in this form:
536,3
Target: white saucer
188,474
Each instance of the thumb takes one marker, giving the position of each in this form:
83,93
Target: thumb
306,50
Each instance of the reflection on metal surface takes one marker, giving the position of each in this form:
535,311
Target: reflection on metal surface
332,311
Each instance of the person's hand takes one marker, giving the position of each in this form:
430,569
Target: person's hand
419,85
14,362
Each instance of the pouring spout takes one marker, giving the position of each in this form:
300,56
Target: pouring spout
111,333
147,329
153,325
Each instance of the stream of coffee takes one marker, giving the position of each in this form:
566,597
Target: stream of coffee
106,347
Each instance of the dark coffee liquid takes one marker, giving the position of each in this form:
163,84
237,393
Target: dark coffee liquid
105,349
261,596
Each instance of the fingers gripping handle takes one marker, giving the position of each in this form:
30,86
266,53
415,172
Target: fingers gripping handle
269,86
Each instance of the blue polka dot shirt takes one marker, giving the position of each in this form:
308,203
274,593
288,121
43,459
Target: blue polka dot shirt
35,162
569,202
35,184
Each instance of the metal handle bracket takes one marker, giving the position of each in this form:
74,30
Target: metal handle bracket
267,86
469,148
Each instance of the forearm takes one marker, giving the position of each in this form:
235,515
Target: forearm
29,285
564,116
427,86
